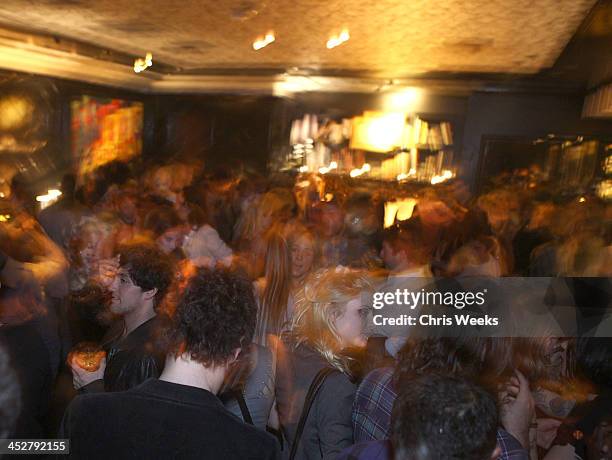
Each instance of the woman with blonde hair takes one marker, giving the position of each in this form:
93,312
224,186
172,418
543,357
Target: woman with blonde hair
314,387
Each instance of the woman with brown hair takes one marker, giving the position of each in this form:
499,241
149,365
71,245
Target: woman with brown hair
291,254
273,290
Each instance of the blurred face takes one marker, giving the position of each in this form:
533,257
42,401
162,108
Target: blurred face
351,324
331,222
91,249
302,257
391,259
126,296
170,239
497,218
162,181
541,216
266,218
127,210
555,350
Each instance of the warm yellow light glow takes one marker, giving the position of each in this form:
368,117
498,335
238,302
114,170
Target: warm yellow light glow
378,131
288,85
446,174
141,64
48,199
399,210
303,169
337,40
263,42
360,171
15,112
582,199
405,100
325,169
5,217
329,197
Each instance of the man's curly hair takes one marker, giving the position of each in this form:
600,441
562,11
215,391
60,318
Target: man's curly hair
215,315
148,267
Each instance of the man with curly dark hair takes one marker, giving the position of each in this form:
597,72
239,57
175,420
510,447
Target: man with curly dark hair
179,415
143,277
444,417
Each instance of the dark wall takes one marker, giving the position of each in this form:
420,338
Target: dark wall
233,130
524,116
222,130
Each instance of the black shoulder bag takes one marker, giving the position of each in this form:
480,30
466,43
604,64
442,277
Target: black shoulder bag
314,388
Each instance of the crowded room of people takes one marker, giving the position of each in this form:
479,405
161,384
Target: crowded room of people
304,230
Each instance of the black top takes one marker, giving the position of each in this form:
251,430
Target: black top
132,359
328,429
161,420
31,362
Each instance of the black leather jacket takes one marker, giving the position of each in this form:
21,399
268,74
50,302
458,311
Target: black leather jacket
130,360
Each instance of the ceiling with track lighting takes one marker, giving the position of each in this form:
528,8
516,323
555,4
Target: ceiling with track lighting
388,38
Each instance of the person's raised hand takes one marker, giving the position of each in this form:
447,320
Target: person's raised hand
517,408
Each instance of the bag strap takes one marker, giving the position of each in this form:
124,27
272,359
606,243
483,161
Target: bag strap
244,409
314,388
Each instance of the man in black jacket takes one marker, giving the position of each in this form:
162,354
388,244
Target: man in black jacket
143,276
179,415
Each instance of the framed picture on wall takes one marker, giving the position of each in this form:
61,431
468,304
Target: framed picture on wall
104,130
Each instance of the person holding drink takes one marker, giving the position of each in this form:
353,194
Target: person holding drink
128,354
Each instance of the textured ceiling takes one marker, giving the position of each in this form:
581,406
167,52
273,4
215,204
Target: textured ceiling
391,38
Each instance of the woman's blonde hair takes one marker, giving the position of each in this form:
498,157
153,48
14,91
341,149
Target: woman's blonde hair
326,294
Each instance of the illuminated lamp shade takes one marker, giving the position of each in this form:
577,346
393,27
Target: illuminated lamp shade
378,131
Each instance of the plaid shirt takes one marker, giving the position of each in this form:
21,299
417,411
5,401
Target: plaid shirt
372,406
372,414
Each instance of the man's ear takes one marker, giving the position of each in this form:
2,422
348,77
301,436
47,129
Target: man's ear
150,294
496,453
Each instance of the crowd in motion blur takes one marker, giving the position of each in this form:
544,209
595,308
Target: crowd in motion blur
174,312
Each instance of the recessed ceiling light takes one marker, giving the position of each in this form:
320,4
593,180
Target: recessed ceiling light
337,40
263,42
141,64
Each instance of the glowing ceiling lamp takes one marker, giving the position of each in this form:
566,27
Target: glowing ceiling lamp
446,174
337,40
325,169
403,100
142,64
263,42
360,171
51,196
